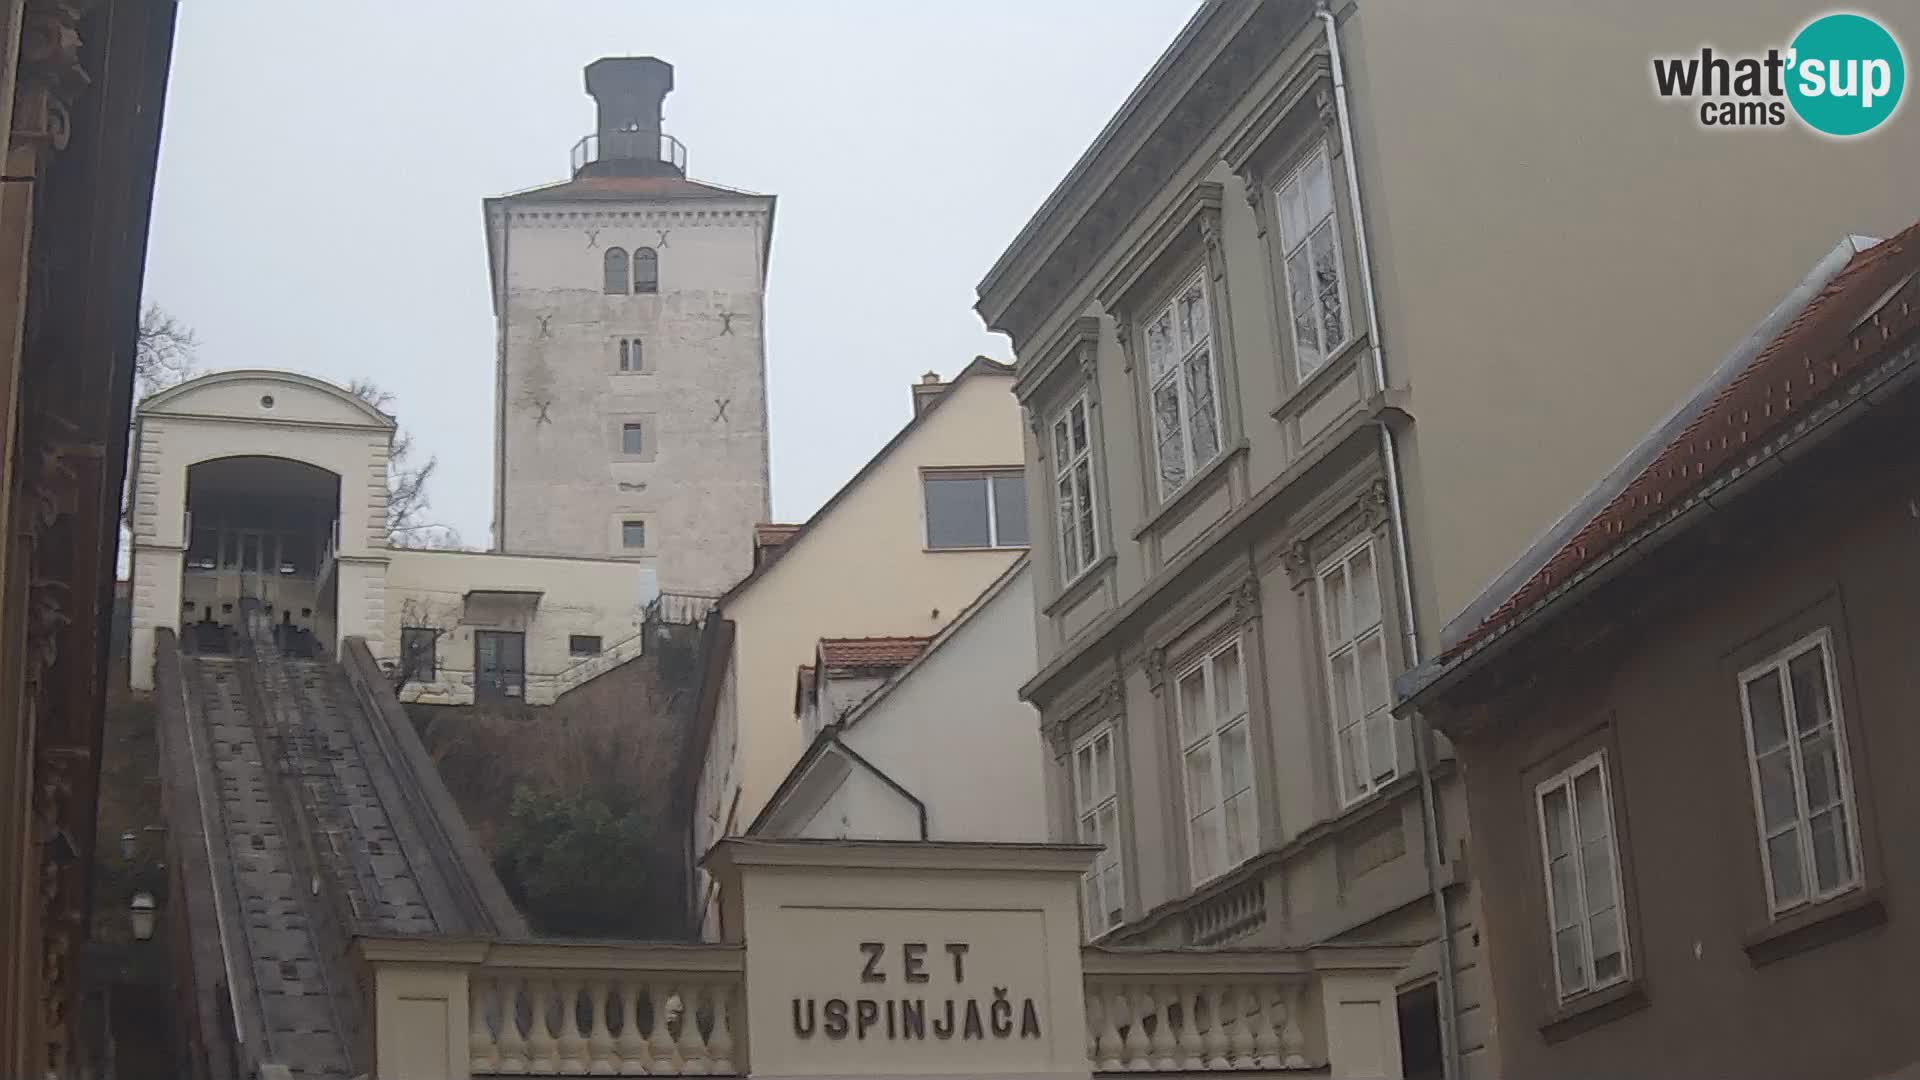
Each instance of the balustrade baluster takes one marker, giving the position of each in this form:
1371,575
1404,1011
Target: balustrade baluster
572,1049
1293,1041
1165,1048
1112,1046
1240,1035
1139,1051
600,1059
1266,1039
1192,1050
720,1044
1095,1014
513,1045
660,1041
542,1056
482,1053
693,1048
633,1042
1216,1028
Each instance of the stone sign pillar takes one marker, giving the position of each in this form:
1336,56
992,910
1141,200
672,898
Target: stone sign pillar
894,959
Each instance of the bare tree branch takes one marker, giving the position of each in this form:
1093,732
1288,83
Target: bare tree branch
407,501
164,352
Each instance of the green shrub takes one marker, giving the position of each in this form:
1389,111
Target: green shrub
580,863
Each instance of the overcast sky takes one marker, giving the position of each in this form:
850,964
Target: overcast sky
322,166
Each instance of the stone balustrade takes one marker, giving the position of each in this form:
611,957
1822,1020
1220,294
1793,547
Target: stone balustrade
552,1008
1207,1010
557,1008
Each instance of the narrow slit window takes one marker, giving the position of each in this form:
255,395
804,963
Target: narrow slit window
629,354
632,439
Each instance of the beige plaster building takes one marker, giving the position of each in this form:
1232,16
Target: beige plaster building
631,409
910,541
267,490
1343,307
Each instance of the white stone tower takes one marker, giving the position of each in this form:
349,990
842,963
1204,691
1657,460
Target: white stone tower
630,397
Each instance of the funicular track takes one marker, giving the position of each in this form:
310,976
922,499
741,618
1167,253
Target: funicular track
313,833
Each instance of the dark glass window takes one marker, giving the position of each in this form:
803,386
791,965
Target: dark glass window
646,271
976,509
615,265
417,653
583,644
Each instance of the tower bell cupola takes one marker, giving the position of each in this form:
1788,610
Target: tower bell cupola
628,141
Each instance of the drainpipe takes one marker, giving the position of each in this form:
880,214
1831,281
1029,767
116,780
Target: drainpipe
1402,571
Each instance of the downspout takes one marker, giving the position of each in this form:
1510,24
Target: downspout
1402,571
502,295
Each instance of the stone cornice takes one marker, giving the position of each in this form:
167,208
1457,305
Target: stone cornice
1071,348
735,853
1210,67
1198,206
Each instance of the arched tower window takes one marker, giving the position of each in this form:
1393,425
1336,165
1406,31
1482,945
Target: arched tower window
616,271
646,271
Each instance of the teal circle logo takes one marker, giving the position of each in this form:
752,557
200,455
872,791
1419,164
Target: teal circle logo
1847,74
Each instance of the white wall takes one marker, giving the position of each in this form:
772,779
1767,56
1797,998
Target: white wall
601,597
701,482
953,731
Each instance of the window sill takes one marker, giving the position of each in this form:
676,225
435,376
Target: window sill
1816,925
1336,368
986,547
1189,491
1594,1008
1082,584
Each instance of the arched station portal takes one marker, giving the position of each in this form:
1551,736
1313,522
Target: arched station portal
261,485
260,530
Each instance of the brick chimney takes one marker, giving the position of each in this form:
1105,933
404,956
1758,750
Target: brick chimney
926,390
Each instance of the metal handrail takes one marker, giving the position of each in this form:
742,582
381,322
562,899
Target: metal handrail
629,145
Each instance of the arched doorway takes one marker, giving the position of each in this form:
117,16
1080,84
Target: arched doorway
261,532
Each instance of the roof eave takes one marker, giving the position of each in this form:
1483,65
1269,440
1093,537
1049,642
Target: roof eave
1549,542
1421,687
996,290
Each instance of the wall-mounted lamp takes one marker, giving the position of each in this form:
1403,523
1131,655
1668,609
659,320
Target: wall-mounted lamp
140,912
129,845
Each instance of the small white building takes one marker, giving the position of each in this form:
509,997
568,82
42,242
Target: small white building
267,491
921,739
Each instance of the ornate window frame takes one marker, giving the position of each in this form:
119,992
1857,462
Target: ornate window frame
1184,241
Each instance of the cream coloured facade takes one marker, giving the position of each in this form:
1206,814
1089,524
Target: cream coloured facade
631,414
1336,315
864,565
943,750
579,618
268,489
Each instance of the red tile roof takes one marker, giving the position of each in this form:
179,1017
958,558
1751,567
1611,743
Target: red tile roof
628,187
1831,340
871,652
